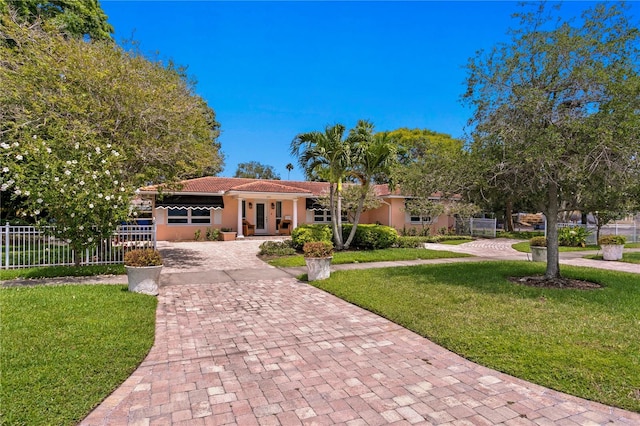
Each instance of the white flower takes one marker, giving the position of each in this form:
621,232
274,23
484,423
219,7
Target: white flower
18,192
36,212
48,150
122,189
74,162
62,190
56,179
77,145
108,145
90,205
18,157
5,145
81,182
116,153
103,161
35,137
72,214
46,166
68,161
98,149
67,172
115,182
107,172
39,200
27,193
16,144
90,239
5,169
108,197
4,187
81,227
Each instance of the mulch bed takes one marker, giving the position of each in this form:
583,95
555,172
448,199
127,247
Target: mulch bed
559,283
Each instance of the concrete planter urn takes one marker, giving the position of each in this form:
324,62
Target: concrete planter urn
612,246
317,256
143,270
612,251
538,247
144,279
539,254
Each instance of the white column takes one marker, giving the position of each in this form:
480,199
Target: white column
240,218
295,213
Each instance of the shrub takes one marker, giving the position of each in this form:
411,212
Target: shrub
143,257
411,242
277,248
317,249
573,236
212,234
371,237
197,235
538,242
310,233
612,240
519,235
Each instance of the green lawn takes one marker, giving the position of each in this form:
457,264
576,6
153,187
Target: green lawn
585,343
633,257
64,349
524,247
61,271
365,256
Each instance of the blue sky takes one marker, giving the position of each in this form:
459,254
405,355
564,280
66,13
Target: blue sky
272,70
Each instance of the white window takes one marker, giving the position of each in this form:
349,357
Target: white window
321,216
189,216
420,220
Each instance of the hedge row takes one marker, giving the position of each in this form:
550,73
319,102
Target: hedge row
368,237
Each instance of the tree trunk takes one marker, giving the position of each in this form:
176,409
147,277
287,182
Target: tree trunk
553,258
508,215
356,219
337,238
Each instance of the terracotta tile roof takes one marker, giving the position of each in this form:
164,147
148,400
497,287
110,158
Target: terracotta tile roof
271,186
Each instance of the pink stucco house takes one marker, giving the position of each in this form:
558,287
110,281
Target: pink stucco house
262,207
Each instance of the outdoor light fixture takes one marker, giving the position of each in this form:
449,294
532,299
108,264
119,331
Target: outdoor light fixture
250,205
273,206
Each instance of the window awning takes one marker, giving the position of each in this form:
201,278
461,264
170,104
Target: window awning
194,202
312,204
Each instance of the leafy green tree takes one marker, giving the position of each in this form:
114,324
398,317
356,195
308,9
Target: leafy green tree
556,108
256,170
82,124
76,18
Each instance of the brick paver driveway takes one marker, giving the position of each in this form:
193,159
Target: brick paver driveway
282,352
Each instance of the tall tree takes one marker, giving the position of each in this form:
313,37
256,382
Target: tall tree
557,107
82,124
76,18
289,168
256,170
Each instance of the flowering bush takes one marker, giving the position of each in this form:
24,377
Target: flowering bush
75,186
538,242
612,240
318,249
575,236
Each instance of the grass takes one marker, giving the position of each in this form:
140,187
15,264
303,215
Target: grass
585,343
365,256
61,271
524,247
633,257
63,349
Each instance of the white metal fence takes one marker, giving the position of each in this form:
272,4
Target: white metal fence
629,230
28,246
476,227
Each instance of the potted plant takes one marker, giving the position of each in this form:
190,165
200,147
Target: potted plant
226,234
317,256
612,246
143,270
538,249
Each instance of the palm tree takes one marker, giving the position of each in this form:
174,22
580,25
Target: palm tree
326,155
289,167
374,155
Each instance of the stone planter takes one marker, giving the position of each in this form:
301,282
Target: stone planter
318,268
538,254
227,236
612,251
144,279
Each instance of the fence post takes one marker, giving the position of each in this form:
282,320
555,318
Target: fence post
6,246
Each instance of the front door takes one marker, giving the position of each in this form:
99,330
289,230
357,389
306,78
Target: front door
261,219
